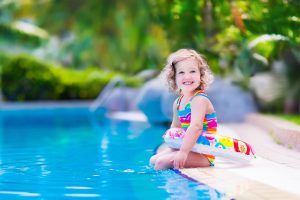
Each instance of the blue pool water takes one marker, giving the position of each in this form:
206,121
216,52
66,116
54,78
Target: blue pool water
68,154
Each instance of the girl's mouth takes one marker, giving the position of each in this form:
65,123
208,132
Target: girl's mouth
188,83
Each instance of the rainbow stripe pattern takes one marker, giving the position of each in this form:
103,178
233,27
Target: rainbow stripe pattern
209,122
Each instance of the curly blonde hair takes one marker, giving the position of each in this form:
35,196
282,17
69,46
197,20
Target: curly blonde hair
169,71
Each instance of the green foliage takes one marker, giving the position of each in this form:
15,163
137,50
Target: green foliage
182,21
105,34
17,36
129,36
270,46
24,78
84,84
4,60
274,17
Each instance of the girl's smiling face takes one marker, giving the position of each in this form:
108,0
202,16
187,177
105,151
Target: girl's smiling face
187,75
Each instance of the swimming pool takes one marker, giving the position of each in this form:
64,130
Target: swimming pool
65,153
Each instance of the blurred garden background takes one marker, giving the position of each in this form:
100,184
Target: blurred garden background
70,49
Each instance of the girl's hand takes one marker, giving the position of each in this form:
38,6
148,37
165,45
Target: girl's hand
180,159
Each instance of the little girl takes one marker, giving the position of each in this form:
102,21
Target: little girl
188,74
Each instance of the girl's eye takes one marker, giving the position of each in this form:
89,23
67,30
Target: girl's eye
181,72
193,71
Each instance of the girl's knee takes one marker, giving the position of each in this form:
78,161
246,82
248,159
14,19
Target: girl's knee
152,160
161,163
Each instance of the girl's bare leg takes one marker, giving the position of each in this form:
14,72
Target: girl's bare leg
196,160
165,161
165,151
193,160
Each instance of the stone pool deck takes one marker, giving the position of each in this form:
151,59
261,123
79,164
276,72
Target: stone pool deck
275,174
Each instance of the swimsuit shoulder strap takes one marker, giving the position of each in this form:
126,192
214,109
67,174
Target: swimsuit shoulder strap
178,100
199,93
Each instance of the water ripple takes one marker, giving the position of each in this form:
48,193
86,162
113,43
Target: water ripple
20,193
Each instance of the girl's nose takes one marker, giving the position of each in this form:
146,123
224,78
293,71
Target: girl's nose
187,75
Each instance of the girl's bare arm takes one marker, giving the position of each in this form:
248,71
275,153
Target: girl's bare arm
199,106
175,120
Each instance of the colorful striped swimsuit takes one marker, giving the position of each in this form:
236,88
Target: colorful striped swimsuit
209,122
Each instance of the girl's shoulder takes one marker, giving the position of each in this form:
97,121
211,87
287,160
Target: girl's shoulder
199,93
201,98
203,101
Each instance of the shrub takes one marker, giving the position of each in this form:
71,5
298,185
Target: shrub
4,59
25,78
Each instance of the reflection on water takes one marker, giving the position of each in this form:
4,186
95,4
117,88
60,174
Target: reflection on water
187,189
